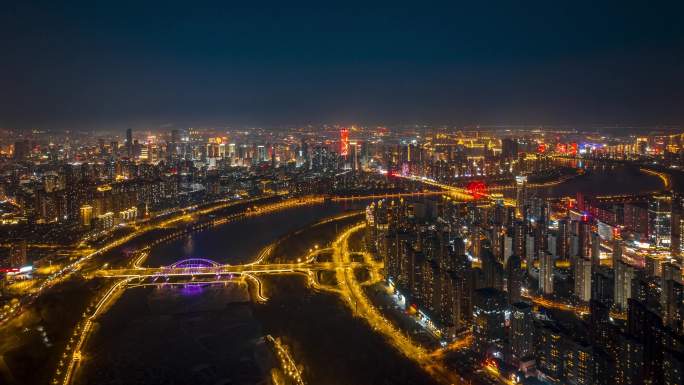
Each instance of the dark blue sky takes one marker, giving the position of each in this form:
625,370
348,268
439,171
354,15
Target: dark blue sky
137,64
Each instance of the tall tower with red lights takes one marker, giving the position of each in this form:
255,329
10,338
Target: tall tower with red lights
344,142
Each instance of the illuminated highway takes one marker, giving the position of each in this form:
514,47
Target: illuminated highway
66,369
354,296
664,177
579,310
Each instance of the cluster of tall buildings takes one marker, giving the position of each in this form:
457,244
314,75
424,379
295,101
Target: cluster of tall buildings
92,193
478,266
424,259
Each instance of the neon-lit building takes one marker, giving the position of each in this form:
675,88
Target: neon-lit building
344,142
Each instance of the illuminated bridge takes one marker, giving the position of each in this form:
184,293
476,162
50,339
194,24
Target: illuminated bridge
386,196
206,267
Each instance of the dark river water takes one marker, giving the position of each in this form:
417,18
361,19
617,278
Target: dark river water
603,179
240,241
213,335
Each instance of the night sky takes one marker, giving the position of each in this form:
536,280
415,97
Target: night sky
191,63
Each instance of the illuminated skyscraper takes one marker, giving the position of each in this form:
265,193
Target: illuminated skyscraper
624,274
659,217
550,352
344,142
261,153
519,238
584,239
520,193
562,242
521,331
475,243
583,279
305,153
595,249
546,273
579,362
354,156
676,227
488,320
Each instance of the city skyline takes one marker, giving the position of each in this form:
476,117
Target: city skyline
450,255
480,193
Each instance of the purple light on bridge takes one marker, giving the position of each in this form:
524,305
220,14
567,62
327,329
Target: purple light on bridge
191,289
194,263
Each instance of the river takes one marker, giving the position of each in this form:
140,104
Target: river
602,179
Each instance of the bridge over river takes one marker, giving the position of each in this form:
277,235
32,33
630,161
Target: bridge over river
205,267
